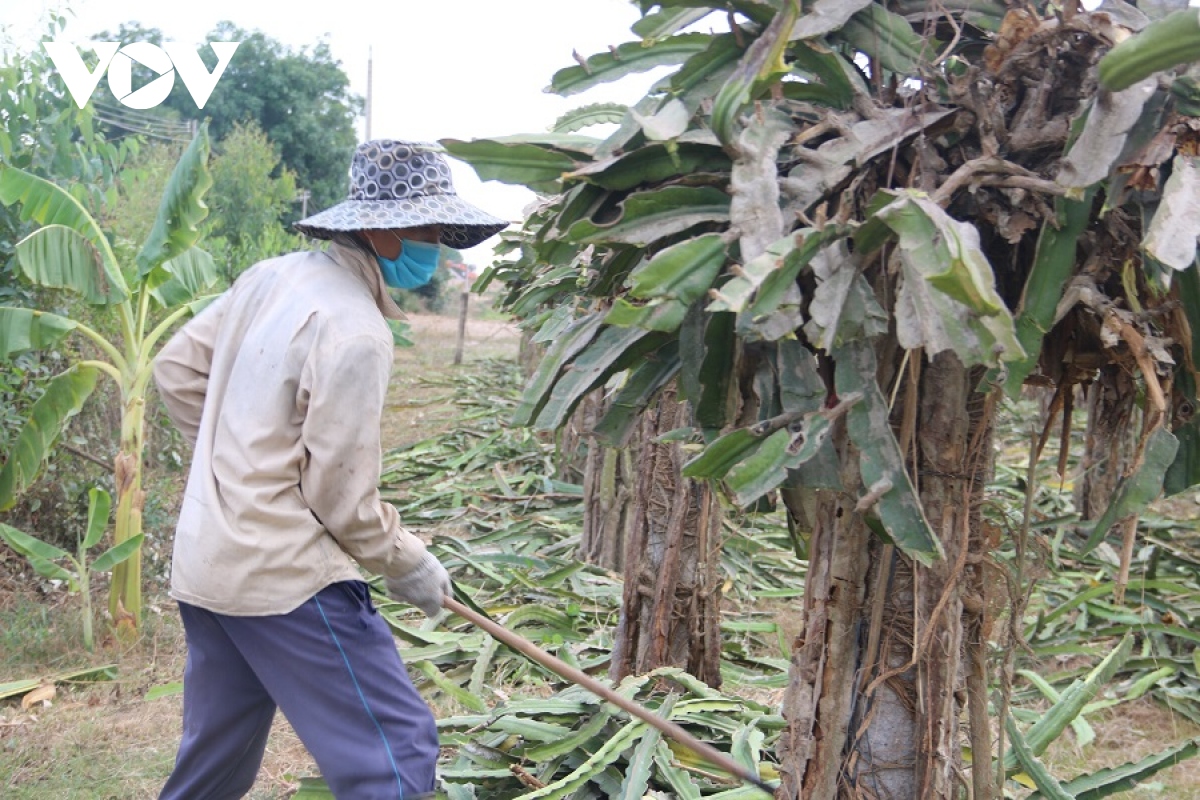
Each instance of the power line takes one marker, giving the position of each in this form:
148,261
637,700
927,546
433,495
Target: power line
151,122
144,131
134,125
137,116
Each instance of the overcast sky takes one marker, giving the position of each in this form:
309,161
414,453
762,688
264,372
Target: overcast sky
442,68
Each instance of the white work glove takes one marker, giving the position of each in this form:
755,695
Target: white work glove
424,586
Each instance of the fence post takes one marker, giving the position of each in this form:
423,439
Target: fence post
462,322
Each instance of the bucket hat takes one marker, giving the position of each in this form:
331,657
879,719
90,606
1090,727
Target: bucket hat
396,184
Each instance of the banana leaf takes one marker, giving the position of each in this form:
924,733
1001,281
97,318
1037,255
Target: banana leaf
182,208
24,329
99,506
118,553
63,398
98,278
40,555
182,278
58,257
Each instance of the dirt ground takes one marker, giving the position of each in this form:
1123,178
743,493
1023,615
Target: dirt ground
114,739
416,409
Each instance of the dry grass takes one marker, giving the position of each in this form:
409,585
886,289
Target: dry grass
106,739
1127,733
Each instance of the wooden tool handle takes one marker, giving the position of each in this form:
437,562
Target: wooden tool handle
580,678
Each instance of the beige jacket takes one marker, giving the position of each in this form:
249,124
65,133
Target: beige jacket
279,384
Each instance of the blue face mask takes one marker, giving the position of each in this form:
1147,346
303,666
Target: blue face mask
413,267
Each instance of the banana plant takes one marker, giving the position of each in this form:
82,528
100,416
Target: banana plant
46,559
144,298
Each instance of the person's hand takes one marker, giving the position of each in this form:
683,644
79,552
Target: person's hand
424,586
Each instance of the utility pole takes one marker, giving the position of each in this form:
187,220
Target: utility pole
370,64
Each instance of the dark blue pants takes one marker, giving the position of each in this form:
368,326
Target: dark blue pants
332,667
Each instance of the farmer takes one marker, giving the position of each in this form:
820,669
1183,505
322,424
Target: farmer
279,385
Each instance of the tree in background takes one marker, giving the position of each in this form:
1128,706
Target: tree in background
44,132
251,192
245,201
139,188
299,97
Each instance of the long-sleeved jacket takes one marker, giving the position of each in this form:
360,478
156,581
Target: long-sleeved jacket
280,386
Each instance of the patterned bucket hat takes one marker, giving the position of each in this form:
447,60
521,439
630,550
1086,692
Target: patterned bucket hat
403,185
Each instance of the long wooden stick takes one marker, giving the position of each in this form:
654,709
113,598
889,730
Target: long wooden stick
580,678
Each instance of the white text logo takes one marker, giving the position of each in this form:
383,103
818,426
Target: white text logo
118,60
